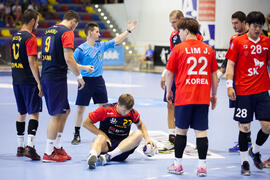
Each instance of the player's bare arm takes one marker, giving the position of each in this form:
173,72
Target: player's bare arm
214,90
229,79
87,68
122,36
143,129
168,83
35,71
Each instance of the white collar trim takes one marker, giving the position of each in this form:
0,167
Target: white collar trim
254,41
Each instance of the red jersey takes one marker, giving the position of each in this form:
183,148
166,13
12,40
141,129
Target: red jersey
250,57
174,39
192,63
113,124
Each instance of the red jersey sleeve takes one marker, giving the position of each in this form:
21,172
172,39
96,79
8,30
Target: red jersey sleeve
135,116
68,39
31,46
232,51
171,66
98,115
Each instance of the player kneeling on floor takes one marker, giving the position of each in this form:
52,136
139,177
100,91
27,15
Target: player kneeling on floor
113,141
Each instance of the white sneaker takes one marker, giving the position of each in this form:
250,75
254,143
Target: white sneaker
166,147
104,159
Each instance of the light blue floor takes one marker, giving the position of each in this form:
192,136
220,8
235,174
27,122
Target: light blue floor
145,87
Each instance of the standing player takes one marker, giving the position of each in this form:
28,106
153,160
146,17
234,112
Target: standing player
91,53
248,57
239,26
26,82
175,18
57,56
113,139
194,66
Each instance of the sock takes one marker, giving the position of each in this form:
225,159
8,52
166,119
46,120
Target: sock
20,141
92,152
256,148
30,140
20,126
77,130
177,161
179,145
115,152
249,137
261,138
49,146
172,131
244,156
243,141
57,143
202,146
202,163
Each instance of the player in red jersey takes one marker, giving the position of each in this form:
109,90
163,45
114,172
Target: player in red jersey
113,141
248,58
194,66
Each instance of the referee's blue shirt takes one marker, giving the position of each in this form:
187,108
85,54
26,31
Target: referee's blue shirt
87,55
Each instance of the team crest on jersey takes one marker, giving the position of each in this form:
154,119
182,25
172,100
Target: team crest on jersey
245,46
113,121
175,39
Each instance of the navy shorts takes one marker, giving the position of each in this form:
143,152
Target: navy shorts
231,103
94,88
247,105
27,98
120,157
55,93
173,90
194,116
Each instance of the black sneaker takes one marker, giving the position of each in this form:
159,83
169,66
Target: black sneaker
245,169
31,153
256,159
76,140
20,151
171,138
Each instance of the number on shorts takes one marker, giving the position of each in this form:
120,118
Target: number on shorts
241,113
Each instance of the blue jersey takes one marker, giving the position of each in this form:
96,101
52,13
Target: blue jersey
88,55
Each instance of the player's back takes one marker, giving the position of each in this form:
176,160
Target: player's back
21,72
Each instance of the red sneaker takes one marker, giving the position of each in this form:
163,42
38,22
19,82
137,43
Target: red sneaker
53,158
20,151
62,152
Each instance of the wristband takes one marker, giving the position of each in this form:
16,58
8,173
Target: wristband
219,74
164,72
129,31
229,83
79,77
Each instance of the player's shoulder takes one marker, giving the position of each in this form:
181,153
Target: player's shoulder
175,32
265,38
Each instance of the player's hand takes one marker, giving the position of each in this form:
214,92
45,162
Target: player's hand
162,82
213,101
89,68
169,96
40,92
131,26
81,84
231,93
153,144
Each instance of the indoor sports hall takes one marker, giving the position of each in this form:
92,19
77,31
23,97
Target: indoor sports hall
123,73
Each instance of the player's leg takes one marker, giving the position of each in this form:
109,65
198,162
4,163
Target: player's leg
171,123
78,123
99,145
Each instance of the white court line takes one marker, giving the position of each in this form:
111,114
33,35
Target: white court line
167,175
215,169
230,167
5,85
151,178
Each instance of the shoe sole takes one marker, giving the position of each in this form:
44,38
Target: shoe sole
245,174
177,173
92,162
34,159
202,175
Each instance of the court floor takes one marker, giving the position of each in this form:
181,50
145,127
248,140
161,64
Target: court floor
145,87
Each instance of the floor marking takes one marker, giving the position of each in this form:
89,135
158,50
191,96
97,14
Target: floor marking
230,167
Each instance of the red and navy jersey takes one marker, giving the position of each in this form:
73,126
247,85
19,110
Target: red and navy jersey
24,44
54,66
116,126
174,39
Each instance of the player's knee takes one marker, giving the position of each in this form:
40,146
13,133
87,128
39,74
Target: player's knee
138,134
266,129
100,137
80,110
244,128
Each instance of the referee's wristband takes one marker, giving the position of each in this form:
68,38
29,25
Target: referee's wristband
229,83
79,77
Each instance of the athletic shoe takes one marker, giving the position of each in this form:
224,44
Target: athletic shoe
171,138
267,163
31,153
245,169
76,140
62,152
236,147
53,157
201,172
167,147
20,151
176,169
92,160
104,159
256,159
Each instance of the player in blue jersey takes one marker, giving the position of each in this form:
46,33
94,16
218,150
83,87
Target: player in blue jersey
57,56
26,82
91,53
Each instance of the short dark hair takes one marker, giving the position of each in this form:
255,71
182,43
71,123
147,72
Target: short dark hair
176,13
90,26
71,15
126,100
239,15
190,24
255,17
28,15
